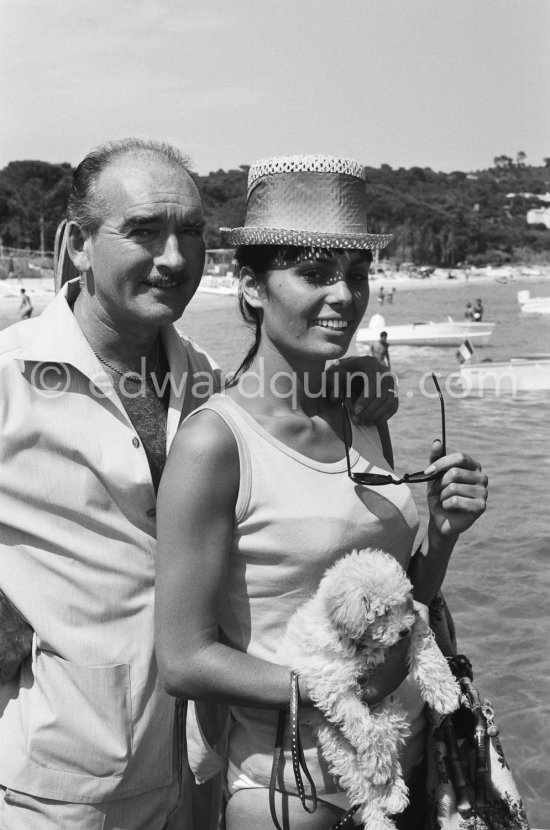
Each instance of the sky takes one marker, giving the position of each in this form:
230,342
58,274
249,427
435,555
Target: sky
445,84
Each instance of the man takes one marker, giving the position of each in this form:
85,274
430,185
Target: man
477,312
381,350
86,733
25,307
91,394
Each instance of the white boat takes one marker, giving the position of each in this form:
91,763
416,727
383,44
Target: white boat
519,374
226,285
533,305
218,276
446,333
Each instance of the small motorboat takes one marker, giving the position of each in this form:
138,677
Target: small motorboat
533,305
226,285
446,333
519,374
218,276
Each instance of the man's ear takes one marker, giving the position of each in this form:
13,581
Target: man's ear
252,289
77,247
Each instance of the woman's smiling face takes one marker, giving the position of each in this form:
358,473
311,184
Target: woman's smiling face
312,307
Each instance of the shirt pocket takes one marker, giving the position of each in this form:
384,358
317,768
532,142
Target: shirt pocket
80,718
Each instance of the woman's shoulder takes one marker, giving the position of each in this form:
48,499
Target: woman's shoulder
202,469
206,434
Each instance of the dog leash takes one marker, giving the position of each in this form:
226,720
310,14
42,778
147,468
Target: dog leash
298,759
298,763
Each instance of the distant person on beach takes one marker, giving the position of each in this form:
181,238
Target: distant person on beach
25,307
381,295
391,295
91,395
380,350
477,311
469,312
257,500
11,268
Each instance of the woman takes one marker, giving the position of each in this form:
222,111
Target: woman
256,502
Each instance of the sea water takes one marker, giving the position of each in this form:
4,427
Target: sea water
498,583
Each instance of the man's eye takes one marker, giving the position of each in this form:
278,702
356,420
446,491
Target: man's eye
359,275
193,231
141,233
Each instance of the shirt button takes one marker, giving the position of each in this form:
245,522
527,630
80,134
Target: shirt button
152,512
135,442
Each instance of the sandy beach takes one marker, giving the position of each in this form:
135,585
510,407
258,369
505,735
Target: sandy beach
41,288
448,277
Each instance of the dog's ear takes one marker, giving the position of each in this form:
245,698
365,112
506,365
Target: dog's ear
353,612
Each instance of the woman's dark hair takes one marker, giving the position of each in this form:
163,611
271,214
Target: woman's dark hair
261,259
85,206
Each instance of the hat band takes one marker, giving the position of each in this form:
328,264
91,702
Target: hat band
332,203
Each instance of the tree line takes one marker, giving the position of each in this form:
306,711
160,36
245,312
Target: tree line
439,219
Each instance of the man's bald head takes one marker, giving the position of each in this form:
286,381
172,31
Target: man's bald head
86,205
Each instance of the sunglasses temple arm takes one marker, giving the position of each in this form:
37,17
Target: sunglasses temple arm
346,432
443,430
442,403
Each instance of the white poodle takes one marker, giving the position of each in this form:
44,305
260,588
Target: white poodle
363,606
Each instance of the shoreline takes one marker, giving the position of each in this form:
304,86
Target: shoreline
41,289
522,275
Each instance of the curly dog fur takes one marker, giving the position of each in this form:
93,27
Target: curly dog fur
363,606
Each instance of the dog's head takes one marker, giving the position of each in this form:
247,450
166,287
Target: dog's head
367,598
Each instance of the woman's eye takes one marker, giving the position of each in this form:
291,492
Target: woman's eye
359,275
313,275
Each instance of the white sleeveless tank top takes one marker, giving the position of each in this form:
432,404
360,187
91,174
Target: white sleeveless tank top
294,518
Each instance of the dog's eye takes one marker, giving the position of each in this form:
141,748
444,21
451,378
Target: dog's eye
404,632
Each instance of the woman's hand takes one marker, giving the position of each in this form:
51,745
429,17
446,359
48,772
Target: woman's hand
369,386
389,675
459,497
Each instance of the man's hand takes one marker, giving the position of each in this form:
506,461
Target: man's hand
15,639
370,387
389,675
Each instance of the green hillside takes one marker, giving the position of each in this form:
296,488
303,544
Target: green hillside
439,219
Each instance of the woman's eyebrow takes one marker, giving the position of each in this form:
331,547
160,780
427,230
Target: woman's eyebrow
361,256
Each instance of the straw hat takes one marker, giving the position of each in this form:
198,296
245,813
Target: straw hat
315,201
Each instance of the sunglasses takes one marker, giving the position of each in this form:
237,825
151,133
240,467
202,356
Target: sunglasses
377,479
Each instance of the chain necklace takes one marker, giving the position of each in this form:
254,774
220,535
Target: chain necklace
130,375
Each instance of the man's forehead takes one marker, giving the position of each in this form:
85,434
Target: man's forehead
135,182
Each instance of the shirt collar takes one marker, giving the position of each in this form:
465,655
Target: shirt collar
57,338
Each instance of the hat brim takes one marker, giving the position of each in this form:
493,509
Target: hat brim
233,237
